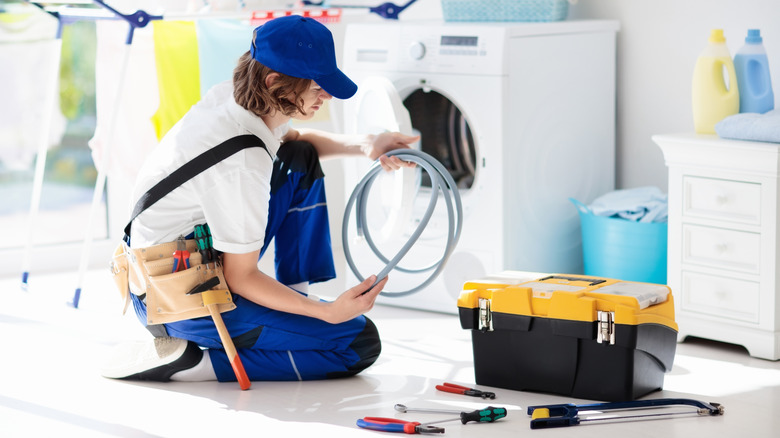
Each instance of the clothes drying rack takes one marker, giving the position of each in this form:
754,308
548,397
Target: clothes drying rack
68,12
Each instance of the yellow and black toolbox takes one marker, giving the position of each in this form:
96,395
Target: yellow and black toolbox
585,337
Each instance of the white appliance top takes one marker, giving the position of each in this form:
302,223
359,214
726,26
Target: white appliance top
511,28
465,48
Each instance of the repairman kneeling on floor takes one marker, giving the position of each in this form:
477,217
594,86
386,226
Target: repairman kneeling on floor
230,176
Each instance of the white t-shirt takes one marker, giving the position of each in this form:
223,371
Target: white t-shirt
231,196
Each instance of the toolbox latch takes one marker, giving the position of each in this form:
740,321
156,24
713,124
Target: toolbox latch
606,328
485,315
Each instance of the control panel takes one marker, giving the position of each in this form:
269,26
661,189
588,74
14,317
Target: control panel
457,49
452,49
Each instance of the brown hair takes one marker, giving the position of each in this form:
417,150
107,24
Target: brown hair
250,92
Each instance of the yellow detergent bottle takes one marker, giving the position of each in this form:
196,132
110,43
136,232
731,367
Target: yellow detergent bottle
713,97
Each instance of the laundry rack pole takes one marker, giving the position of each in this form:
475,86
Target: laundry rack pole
43,146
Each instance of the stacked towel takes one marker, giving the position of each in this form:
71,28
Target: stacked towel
751,126
642,204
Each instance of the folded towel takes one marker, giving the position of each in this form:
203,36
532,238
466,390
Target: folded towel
642,204
751,126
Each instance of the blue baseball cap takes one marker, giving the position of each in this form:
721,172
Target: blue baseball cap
303,48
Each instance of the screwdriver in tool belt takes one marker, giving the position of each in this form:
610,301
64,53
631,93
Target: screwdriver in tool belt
203,240
486,415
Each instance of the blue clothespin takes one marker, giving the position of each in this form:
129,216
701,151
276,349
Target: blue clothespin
386,10
389,10
137,19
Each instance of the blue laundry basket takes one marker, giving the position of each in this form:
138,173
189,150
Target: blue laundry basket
622,249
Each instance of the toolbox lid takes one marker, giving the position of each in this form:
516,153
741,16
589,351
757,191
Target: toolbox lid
576,298
646,294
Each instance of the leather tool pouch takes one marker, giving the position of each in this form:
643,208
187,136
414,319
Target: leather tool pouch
147,273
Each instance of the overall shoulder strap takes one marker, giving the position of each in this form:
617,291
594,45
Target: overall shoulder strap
190,170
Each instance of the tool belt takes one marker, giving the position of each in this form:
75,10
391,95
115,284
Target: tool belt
146,272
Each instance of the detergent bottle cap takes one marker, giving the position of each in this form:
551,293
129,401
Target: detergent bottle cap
716,36
753,36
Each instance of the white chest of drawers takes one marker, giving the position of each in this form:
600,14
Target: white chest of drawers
723,244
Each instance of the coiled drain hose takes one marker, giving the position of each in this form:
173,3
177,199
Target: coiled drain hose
441,182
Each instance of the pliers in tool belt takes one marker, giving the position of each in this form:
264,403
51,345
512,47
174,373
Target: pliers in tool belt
181,257
395,425
457,389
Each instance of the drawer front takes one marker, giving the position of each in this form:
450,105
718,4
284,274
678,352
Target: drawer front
720,296
722,199
721,248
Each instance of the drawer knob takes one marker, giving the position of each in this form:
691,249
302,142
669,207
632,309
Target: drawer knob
721,248
722,199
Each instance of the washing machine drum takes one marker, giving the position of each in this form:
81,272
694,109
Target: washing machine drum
445,135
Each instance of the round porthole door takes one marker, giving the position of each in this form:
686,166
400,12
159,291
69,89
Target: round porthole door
378,109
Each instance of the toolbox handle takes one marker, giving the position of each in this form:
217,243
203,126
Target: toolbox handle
593,281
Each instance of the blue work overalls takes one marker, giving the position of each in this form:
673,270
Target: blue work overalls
276,345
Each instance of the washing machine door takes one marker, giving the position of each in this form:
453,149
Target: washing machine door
378,109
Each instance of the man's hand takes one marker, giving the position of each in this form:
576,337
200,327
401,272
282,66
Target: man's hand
386,142
355,301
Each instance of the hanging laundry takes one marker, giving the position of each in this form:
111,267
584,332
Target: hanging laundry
178,72
27,42
220,43
134,136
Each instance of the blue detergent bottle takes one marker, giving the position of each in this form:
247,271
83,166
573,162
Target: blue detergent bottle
752,69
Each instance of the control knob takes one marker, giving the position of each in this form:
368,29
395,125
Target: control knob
417,50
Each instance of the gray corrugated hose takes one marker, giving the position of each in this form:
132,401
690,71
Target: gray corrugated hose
441,182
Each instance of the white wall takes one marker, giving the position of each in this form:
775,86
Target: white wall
657,47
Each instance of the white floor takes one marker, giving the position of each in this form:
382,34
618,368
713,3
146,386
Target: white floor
50,384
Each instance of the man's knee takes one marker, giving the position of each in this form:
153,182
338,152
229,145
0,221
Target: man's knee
368,346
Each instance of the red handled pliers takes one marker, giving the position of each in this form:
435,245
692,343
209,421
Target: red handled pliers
395,425
181,257
457,389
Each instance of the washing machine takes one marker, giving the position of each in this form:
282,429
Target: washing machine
522,115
